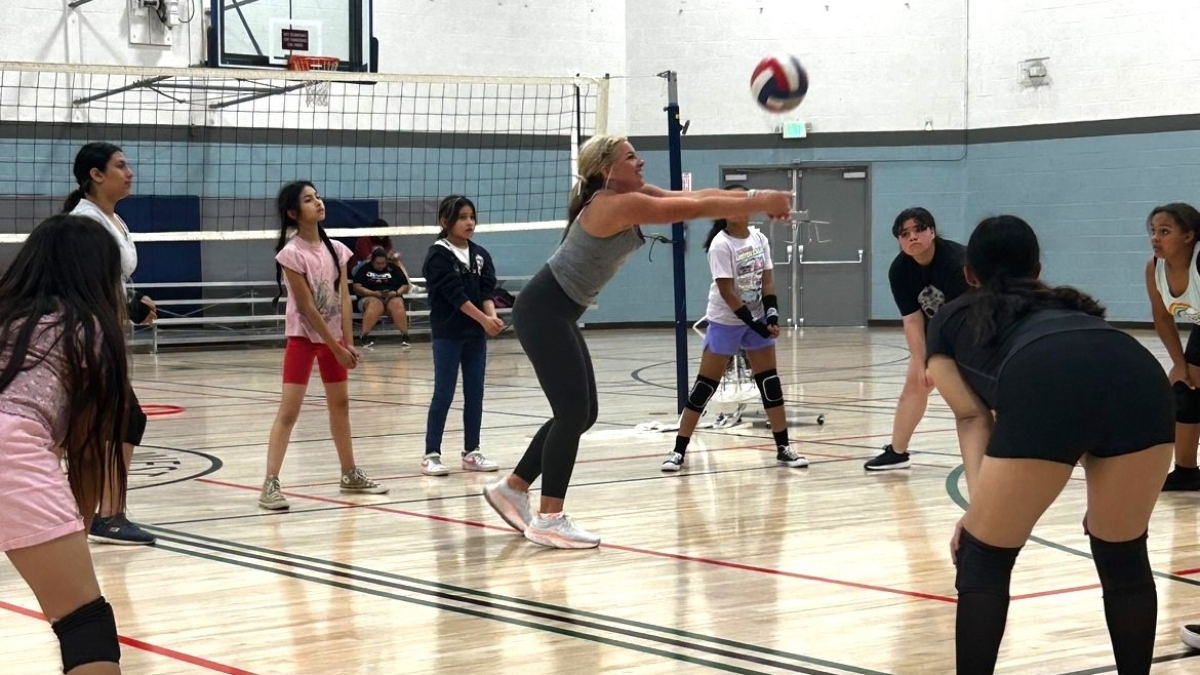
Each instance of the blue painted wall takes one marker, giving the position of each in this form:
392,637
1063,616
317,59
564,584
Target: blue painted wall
1087,197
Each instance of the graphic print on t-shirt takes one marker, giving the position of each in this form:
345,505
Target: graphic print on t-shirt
931,299
748,266
1184,312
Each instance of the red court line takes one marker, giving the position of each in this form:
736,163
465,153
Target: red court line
1184,573
144,646
1057,591
629,549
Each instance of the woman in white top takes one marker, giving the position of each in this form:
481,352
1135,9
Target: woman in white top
1173,283
105,177
743,315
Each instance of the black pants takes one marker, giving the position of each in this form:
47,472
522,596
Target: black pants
135,420
546,321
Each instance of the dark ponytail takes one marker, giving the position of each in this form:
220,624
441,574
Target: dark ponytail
720,224
337,263
91,156
1003,253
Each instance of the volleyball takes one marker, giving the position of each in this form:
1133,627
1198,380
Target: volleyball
779,83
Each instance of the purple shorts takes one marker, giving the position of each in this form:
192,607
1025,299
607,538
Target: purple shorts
725,340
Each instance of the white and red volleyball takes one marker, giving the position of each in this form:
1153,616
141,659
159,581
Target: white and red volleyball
779,83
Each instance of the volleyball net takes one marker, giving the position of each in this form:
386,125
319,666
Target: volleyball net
210,148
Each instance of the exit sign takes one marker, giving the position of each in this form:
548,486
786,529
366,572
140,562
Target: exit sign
795,129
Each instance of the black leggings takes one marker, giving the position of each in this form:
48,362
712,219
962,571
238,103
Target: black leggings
546,321
135,420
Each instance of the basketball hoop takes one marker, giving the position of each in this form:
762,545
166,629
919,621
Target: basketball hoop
315,93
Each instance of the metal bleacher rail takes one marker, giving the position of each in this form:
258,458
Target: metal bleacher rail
198,324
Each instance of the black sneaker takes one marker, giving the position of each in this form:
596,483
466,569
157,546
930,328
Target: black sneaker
888,460
786,456
404,343
118,530
1182,479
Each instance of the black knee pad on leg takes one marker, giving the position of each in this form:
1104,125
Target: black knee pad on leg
701,392
983,568
88,635
1123,567
1187,404
769,388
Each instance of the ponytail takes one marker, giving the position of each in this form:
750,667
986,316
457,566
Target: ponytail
718,226
581,194
283,239
1001,302
73,200
337,262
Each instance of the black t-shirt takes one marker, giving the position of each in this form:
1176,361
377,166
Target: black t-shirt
951,333
927,288
390,279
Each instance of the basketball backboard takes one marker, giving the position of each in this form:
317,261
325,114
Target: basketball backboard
263,33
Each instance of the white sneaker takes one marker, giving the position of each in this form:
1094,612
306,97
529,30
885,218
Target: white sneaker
558,531
511,505
1190,634
475,461
674,462
431,465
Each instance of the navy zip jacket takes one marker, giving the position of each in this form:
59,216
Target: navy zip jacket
450,284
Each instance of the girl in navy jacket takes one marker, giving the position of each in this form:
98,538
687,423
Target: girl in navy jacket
461,281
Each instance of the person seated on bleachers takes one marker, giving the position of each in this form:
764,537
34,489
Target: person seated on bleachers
380,286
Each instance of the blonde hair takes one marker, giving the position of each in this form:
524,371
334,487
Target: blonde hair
596,156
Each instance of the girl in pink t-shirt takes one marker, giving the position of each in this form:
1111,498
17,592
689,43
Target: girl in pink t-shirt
318,327
64,388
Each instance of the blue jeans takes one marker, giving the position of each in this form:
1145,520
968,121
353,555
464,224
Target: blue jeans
448,355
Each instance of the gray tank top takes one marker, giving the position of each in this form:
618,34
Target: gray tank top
583,264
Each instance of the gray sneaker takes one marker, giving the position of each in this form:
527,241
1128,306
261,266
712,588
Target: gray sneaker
511,505
558,531
272,497
475,461
355,480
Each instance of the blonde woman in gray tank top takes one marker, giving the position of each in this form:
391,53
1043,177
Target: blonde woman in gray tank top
607,205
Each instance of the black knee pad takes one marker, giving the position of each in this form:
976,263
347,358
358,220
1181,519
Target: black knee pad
1123,567
135,424
983,568
1187,404
701,392
88,635
769,388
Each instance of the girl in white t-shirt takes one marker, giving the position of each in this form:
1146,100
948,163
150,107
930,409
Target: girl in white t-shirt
318,327
742,315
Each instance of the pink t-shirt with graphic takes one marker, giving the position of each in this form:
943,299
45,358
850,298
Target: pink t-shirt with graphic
315,263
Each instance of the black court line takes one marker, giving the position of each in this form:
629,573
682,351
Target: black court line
468,495
477,600
1158,659
956,496
215,466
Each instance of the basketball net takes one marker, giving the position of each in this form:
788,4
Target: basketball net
316,93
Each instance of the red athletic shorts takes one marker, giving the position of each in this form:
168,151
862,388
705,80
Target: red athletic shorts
298,359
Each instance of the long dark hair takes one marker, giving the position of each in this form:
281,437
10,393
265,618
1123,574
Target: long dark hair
719,224
1004,255
287,200
91,156
448,210
85,302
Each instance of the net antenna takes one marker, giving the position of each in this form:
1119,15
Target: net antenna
316,92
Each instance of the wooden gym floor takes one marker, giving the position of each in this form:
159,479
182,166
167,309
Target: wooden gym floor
732,566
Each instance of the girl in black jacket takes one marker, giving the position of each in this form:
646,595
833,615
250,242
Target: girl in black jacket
461,281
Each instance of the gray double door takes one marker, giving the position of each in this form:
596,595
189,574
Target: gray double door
821,257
